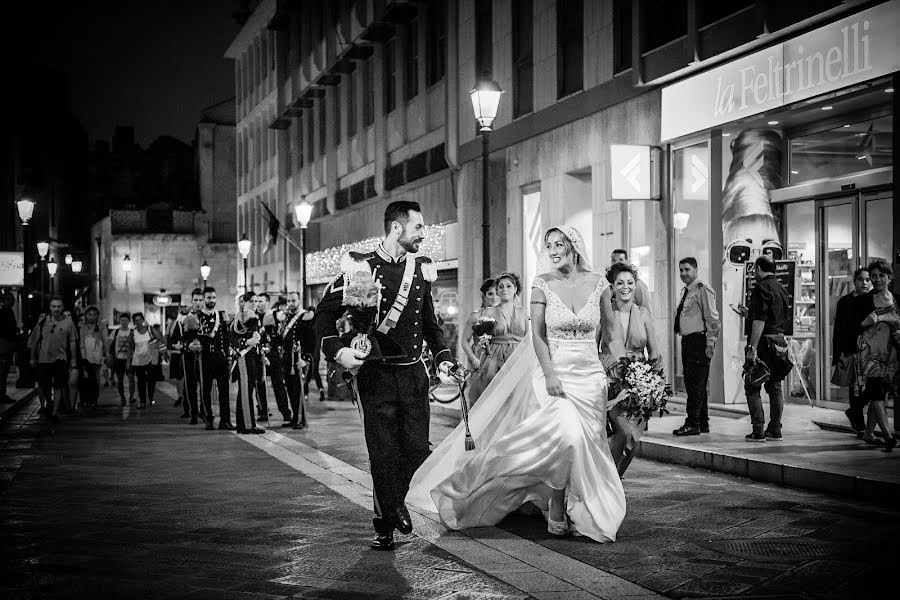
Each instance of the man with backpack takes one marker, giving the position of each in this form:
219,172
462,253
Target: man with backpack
53,354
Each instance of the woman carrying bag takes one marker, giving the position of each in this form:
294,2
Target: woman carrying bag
144,344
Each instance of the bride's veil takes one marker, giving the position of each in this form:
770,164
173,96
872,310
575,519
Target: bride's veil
507,401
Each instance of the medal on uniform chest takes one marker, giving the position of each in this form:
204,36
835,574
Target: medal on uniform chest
361,344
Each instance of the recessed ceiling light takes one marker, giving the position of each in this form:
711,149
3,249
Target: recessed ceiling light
795,172
726,135
860,158
773,122
889,90
827,107
848,125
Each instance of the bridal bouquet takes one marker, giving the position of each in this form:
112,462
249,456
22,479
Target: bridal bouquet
361,301
482,329
643,387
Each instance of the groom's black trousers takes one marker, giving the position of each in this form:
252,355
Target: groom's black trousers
395,417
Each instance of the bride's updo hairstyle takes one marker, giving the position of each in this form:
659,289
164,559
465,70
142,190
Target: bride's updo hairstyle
570,247
514,278
618,268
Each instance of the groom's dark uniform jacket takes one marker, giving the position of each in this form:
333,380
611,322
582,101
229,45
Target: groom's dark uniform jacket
393,393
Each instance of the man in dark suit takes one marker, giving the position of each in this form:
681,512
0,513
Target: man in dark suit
393,393
293,365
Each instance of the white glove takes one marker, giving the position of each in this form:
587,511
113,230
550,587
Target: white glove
349,358
443,372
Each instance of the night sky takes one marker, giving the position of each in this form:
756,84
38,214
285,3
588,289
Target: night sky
151,64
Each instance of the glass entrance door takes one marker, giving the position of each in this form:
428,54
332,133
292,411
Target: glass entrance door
852,231
839,256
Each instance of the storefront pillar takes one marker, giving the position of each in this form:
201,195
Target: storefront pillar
717,366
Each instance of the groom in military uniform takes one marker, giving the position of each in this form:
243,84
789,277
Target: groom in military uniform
393,392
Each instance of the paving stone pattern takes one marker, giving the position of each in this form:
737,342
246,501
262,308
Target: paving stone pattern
151,507
692,533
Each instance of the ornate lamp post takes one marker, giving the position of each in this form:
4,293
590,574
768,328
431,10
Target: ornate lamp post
303,212
244,245
485,102
25,207
69,259
77,266
43,248
205,270
51,268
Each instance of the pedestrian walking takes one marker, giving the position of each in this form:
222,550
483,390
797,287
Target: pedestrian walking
53,354
843,348
393,393
878,357
697,322
145,345
292,363
766,355
92,351
9,332
212,343
120,350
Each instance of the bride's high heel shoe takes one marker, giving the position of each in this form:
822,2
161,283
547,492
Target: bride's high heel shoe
560,528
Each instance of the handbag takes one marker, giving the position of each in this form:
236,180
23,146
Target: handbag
844,374
782,364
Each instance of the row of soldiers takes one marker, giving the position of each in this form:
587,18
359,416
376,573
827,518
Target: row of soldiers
207,348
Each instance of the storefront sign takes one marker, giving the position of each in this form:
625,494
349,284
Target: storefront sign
12,269
855,49
786,275
632,172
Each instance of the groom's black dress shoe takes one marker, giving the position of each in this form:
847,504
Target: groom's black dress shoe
686,430
402,521
383,541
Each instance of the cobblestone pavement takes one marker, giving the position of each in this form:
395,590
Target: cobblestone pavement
691,533
153,508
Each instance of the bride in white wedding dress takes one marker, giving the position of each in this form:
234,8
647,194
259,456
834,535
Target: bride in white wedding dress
540,426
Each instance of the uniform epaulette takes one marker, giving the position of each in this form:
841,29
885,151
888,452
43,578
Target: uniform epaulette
361,256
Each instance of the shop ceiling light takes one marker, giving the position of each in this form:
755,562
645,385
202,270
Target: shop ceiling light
795,172
827,107
773,122
847,125
889,90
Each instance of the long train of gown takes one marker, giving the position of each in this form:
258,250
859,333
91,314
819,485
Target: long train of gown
526,443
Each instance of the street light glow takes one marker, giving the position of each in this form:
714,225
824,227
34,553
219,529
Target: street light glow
205,270
43,249
485,102
126,264
244,246
26,209
52,267
77,266
303,211
69,259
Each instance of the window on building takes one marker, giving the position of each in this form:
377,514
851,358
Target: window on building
390,75
264,42
484,39
664,21
411,60
351,104
523,57
622,37
321,124
337,107
309,136
437,41
570,46
368,70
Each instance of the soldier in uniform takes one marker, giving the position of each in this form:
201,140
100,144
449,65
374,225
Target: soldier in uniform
393,393
247,369
213,345
292,363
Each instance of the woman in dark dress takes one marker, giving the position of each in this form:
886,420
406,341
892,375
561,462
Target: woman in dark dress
878,359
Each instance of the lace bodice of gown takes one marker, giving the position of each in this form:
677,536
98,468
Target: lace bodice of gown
562,323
